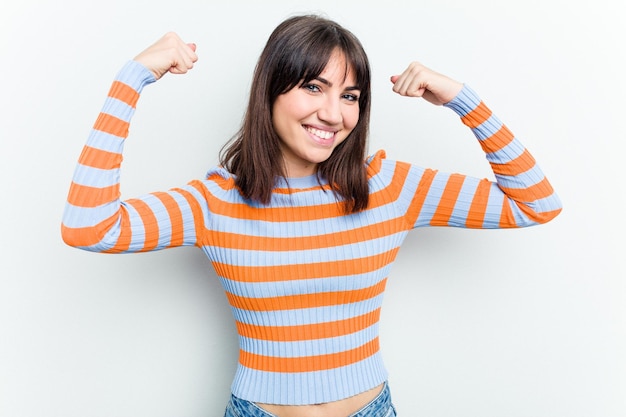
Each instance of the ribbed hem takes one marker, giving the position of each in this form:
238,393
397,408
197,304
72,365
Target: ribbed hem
309,387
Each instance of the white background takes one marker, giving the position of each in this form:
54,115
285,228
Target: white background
526,322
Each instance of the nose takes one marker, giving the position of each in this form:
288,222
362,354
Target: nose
330,111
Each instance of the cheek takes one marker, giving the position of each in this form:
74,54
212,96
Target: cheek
286,109
351,117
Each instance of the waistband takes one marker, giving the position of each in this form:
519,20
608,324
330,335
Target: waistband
378,407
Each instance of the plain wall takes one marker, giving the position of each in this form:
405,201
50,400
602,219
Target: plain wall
499,323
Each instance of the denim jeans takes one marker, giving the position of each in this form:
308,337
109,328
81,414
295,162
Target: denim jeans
380,406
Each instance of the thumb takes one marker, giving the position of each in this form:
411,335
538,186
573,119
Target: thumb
192,46
394,78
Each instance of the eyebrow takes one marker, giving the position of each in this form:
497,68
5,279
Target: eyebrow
328,83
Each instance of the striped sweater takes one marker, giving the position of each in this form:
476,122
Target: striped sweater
304,280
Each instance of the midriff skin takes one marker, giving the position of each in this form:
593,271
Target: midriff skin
341,408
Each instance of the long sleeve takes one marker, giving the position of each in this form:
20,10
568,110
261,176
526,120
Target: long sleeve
95,218
520,196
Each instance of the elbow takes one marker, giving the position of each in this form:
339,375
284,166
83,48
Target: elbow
548,216
553,209
70,237
546,210
540,212
81,238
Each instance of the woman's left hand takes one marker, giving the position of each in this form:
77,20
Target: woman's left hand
420,81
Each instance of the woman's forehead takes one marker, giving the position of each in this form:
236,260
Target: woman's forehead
338,69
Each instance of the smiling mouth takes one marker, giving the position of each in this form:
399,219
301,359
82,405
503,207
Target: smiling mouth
324,135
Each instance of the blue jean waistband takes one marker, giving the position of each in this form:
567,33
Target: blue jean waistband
378,407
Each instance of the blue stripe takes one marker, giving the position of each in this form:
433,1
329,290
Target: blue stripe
257,257
311,228
410,188
118,109
96,177
105,141
488,128
506,154
162,217
521,181
78,217
432,199
304,316
466,101
494,207
383,180
549,203
309,347
135,75
309,286
189,228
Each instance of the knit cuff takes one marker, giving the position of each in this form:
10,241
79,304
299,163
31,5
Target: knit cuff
464,102
135,75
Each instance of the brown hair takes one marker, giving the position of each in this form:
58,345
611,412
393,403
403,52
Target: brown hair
297,52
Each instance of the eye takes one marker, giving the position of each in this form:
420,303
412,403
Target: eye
312,88
350,97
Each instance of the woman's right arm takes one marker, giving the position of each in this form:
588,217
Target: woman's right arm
95,218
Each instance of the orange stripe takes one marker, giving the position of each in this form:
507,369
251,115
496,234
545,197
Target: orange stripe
285,214
373,168
535,192
506,217
300,301
308,363
309,331
289,214
291,190
477,116
223,183
85,196
478,208
277,244
497,141
522,163
87,236
304,271
112,125
124,92
420,196
196,210
150,224
448,200
97,158
175,216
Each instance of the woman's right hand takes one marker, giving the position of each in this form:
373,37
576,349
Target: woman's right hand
168,54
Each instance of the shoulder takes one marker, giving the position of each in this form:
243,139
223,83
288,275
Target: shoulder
373,163
221,177
378,164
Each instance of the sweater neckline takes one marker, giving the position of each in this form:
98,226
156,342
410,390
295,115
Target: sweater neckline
300,182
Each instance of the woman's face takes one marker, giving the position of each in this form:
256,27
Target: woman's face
314,118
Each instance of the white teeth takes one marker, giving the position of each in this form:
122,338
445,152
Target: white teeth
323,134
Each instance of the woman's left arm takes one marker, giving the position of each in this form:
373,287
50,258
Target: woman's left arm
521,195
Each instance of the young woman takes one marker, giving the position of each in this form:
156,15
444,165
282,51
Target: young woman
300,225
